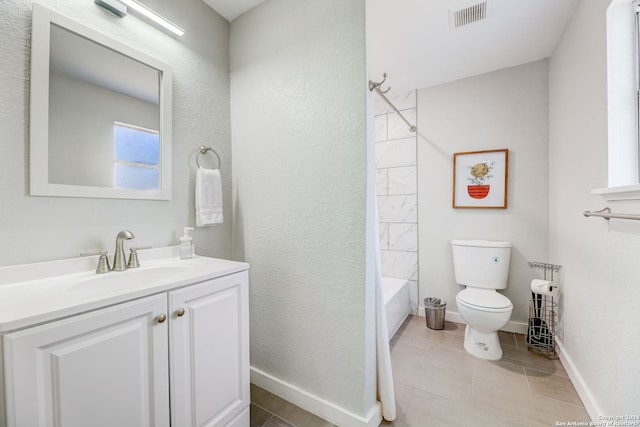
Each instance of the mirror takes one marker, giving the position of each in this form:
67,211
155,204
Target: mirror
100,115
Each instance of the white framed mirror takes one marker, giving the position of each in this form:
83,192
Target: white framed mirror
100,123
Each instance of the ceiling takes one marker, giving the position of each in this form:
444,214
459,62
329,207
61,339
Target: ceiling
231,9
413,42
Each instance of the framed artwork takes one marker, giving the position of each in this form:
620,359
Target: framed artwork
480,179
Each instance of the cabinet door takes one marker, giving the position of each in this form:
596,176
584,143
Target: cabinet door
105,368
209,352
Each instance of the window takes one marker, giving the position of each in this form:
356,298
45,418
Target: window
637,82
137,157
622,102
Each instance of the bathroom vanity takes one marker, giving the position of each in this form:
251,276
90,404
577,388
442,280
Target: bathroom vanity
166,344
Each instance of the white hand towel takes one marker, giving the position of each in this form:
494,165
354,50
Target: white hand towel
208,197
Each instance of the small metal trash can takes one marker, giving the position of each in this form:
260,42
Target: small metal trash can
434,310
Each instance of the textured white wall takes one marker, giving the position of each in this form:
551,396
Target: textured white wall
45,228
507,108
600,259
298,91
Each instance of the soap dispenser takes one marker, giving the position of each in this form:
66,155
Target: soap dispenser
186,244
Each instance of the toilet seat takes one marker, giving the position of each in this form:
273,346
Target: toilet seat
482,299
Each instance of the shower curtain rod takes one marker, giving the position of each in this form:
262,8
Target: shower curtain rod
376,86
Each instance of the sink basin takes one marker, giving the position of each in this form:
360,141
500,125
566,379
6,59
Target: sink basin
116,281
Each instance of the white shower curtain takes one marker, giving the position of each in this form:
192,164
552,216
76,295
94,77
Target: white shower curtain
385,390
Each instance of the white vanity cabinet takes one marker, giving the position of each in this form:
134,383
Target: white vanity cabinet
209,353
177,358
104,368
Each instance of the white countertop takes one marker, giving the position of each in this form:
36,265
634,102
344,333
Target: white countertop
35,293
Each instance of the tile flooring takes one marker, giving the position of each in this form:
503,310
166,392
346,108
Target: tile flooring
268,410
438,384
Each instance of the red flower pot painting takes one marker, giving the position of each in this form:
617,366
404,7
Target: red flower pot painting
479,174
480,179
478,191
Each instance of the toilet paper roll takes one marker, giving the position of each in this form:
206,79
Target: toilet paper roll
544,287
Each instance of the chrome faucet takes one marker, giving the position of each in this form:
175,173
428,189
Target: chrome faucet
119,260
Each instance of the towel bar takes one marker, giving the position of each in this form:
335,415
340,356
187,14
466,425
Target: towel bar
607,214
203,150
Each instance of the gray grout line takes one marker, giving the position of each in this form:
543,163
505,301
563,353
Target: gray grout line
273,415
266,410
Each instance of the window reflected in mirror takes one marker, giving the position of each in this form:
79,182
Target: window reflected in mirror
137,157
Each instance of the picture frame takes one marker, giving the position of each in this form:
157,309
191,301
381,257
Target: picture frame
480,179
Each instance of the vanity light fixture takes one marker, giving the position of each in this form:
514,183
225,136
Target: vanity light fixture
113,6
119,7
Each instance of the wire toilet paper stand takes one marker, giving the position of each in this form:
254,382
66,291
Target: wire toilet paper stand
543,316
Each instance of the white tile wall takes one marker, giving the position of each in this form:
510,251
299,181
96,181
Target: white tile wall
396,186
403,237
382,182
399,264
401,180
401,152
402,208
402,101
381,128
397,128
384,236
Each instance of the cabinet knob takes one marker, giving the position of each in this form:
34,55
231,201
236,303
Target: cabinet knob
180,312
161,318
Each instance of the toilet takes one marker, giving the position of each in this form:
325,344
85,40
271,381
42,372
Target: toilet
482,266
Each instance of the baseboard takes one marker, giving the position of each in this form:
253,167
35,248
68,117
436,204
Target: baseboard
454,316
314,404
579,383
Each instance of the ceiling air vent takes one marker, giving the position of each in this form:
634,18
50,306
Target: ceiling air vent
467,14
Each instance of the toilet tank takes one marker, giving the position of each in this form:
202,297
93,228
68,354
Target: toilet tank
481,263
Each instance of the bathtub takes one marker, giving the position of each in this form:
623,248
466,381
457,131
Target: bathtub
395,293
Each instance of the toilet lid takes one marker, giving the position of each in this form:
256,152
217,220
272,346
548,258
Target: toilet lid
483,298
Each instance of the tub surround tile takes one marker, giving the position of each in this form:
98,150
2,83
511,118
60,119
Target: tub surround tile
413,297
396,188
398,208
384,236
403,237
381,128
402,180
397,128
381,182
397,152
401,100
401,265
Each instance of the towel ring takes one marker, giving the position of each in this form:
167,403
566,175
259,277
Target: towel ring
203,150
